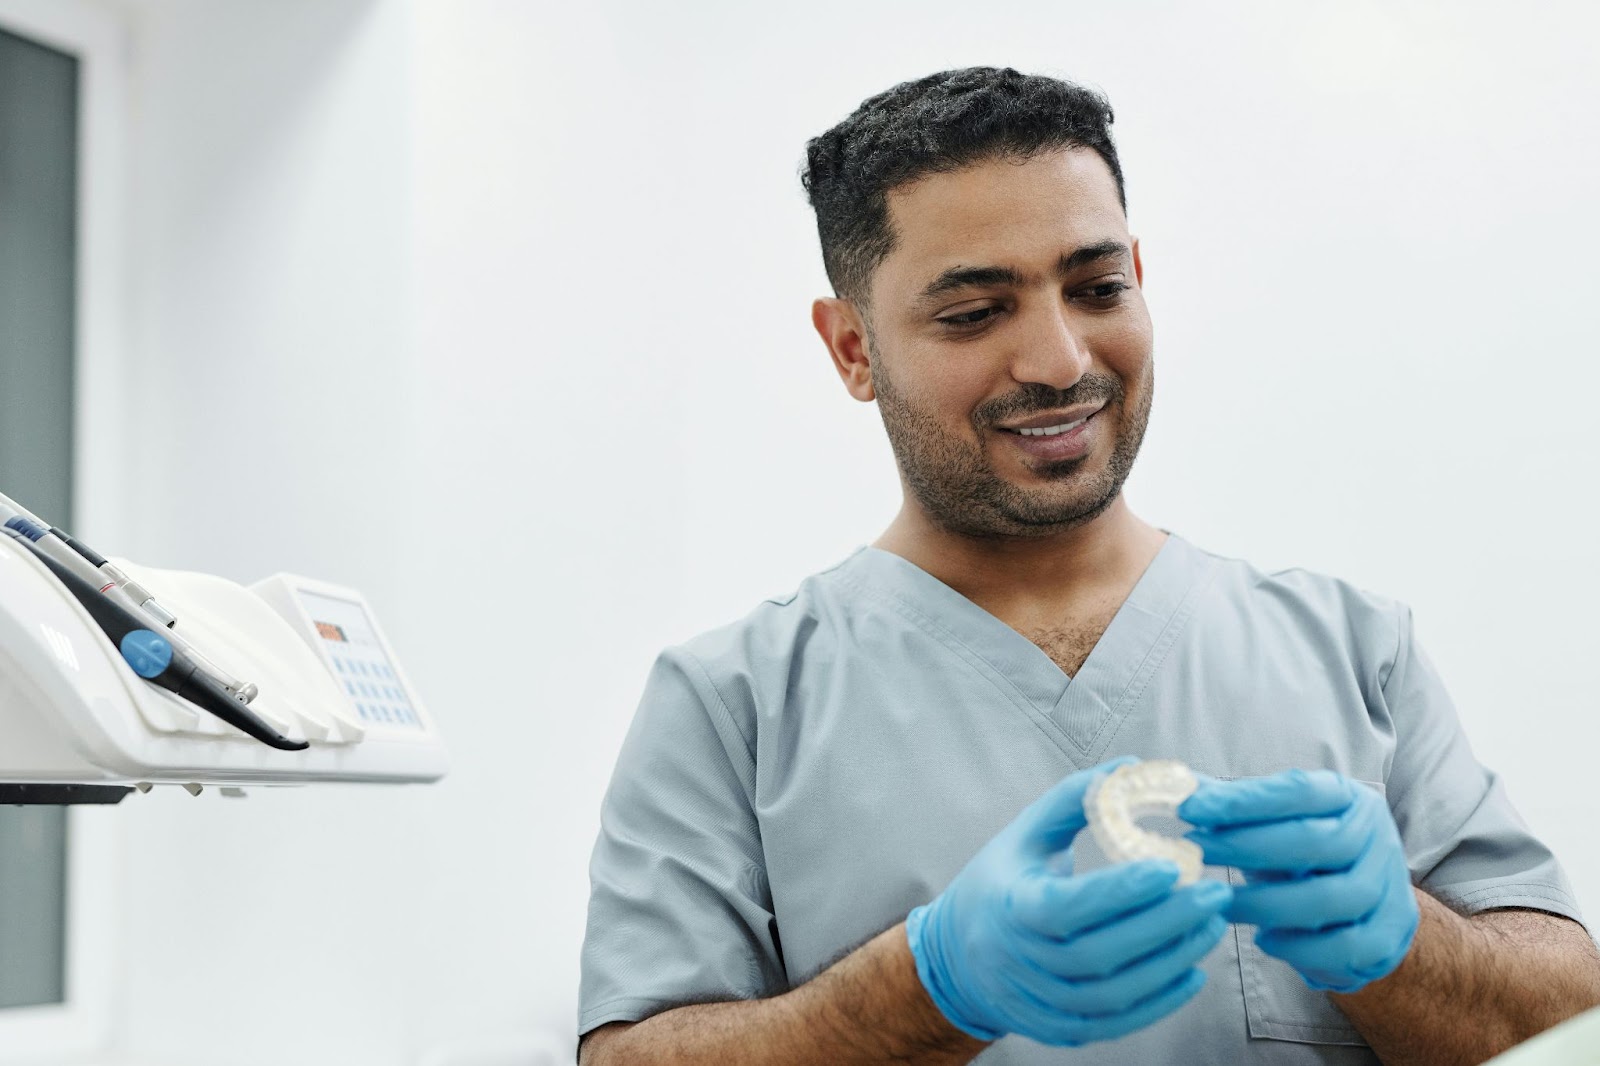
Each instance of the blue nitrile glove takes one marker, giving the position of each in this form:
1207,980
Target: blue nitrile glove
1018,944
1325,872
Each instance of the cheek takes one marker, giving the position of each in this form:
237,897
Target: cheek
963,398
950,395
1131,364
1127,348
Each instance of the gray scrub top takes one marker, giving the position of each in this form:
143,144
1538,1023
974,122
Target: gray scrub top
795,782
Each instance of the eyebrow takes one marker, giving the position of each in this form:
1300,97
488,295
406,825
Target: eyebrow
961,277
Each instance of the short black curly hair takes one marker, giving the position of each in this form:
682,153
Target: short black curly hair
941,122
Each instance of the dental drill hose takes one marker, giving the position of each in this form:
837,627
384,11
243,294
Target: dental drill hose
153,657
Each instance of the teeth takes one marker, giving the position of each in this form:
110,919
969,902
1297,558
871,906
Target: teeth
1051,431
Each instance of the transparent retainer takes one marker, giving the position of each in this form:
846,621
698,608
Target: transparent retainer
1116,802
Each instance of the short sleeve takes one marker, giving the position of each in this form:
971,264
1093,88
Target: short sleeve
679,906
1465,843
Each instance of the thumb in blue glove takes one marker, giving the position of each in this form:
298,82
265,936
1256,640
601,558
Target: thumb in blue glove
1017,943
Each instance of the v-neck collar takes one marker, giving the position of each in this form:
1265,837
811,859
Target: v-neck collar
1085,708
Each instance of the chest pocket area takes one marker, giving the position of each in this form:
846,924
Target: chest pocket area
1278,1004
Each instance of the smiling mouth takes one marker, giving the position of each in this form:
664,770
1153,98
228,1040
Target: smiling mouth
1050,431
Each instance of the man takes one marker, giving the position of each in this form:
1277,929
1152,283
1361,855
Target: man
841,829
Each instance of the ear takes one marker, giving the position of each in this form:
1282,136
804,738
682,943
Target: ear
839,325
1138,267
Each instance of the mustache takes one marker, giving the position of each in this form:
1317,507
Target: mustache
1037,398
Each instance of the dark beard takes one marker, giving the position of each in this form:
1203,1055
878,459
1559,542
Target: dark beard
953,482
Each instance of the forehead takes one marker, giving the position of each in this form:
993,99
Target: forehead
998,211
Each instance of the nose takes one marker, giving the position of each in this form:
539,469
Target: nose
1049,351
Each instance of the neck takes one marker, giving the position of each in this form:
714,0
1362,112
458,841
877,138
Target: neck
1108,552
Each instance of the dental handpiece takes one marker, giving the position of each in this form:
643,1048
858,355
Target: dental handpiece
57,549
141,595
151,654
243,691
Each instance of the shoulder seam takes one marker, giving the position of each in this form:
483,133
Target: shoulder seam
722,703
1404,616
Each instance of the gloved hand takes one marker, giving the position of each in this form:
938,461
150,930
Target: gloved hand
1017,944
1326,878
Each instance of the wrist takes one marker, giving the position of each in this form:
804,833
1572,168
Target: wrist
933,971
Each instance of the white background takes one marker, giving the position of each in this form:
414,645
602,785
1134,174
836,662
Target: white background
500,312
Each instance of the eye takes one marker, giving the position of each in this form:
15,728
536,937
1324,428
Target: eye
1106,292
968,319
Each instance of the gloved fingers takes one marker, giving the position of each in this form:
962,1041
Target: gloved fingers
1317,900
1062,960
1149,975
1107,948
1320,957
1059,905
1345,957
1073,1030
1049,823
1290,794
1025,998
1338,960
1295,845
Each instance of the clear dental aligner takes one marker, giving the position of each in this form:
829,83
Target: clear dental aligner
1119,799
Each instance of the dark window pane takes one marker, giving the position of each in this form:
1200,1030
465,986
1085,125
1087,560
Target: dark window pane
38,208
38,205
33,921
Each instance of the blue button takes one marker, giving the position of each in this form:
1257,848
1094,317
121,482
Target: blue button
148,653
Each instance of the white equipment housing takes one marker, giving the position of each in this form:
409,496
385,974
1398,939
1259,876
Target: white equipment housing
73,712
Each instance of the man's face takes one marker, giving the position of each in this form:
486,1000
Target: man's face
1012,300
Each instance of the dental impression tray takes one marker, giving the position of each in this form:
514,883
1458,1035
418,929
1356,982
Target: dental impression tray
1119,799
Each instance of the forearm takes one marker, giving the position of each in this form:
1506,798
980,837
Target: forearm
869,1007
1470,988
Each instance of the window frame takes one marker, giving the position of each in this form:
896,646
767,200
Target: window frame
96,34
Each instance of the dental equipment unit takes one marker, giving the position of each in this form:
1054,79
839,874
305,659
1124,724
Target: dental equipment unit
104,687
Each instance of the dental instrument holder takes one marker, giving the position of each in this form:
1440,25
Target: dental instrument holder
157,661
79,724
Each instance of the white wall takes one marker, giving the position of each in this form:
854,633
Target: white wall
276,381
499,311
